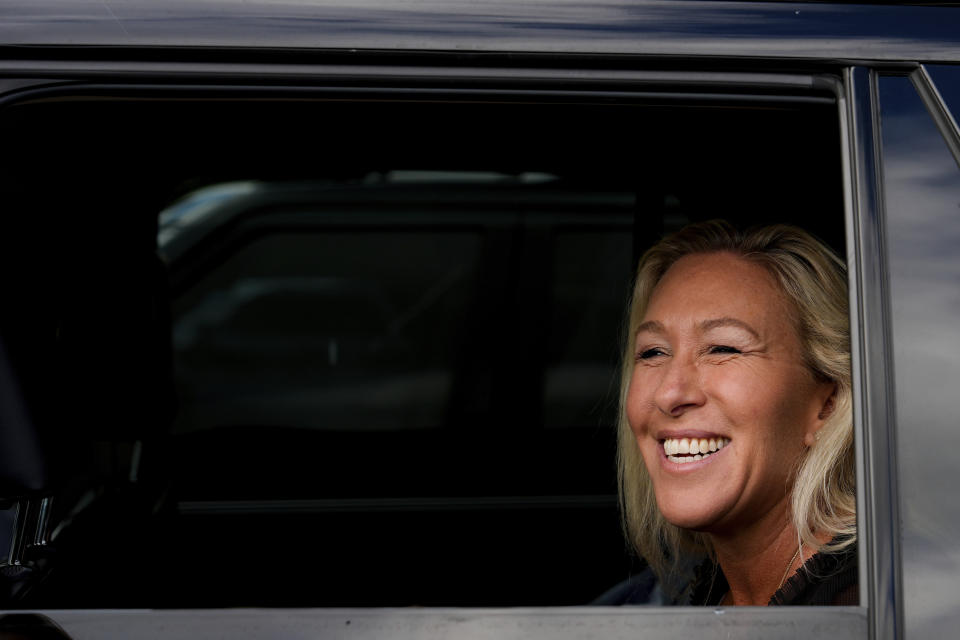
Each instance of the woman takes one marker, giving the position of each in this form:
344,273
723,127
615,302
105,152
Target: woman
735,430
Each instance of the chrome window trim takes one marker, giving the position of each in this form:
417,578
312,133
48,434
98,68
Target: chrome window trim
556,623
878,499
69,91
63,80
90,69
848,152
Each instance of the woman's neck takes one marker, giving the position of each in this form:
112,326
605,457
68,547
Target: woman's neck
758,561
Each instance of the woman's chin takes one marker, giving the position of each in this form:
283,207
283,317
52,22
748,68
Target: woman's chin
693,514
700,525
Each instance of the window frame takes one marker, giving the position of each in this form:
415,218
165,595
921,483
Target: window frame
878,615
871,358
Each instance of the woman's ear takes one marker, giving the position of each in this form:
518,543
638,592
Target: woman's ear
826,410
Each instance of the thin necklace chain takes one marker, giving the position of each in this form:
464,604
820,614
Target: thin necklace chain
787,570
782,579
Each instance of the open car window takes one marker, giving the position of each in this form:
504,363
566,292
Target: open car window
365,347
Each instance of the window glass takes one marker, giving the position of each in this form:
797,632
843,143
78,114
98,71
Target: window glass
303,330
947,80
591,280
922,200
354,358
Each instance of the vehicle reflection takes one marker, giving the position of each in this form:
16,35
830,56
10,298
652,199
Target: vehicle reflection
923,204
326,350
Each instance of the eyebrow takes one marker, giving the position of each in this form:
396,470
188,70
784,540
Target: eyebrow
653,326
707,325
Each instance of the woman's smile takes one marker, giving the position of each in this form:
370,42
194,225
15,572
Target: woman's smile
683,451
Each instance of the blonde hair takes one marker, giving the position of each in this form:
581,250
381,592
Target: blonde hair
813,279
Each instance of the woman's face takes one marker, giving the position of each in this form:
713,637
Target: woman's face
719,363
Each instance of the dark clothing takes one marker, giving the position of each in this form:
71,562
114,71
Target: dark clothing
641,588
824,579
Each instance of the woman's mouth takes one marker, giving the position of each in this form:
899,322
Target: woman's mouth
682,450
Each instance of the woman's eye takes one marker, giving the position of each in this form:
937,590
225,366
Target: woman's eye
723,349
647,354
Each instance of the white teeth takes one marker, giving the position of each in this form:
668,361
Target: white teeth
692,449
685,459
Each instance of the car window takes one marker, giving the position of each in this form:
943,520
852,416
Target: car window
345,351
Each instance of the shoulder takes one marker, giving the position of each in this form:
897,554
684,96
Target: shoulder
645,588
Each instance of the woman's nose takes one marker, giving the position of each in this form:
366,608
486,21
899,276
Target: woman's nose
679,389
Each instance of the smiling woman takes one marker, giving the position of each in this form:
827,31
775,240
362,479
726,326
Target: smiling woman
735,429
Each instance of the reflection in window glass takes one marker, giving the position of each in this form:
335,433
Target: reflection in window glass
591,278
336,330
947,80
390,366
922,197
8,520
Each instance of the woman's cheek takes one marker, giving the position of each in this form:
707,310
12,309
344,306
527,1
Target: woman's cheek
638,406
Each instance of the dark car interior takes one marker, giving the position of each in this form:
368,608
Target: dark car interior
273,347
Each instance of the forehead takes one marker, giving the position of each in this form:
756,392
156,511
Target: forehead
705,286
